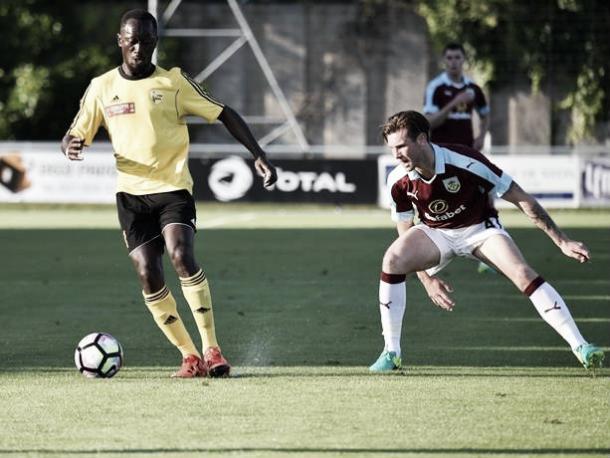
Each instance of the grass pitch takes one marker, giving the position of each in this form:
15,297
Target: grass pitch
296,311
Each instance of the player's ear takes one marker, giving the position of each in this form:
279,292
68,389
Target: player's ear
118,39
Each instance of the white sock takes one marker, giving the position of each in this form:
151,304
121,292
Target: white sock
392,304
555,312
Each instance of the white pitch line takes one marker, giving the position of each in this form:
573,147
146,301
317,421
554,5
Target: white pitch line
537,320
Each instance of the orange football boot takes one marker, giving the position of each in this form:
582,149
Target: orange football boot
216,364
192,366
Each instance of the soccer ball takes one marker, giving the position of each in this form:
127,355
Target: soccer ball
98,355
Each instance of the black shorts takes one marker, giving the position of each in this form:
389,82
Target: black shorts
143,218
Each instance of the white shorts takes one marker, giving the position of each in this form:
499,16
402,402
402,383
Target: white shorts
460,242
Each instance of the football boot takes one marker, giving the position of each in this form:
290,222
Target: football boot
216,364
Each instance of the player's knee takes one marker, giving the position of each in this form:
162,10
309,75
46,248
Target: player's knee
149,274
394,262
177,255
182,259
523,275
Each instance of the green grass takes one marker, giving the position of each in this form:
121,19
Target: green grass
310,411
296,314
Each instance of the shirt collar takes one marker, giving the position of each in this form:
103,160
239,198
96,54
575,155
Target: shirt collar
439,159
439,164
135,78
449,82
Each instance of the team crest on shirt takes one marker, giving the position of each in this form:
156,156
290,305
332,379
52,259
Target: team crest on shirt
452,184
156,96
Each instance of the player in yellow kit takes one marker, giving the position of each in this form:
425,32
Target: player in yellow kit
143,108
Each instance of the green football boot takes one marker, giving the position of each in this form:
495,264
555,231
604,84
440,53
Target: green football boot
483,268
388,361
590,356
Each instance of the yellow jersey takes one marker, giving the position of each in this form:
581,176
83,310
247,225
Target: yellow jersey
145,119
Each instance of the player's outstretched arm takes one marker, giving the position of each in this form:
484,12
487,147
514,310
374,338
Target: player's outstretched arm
483,128
534,211
438,290
438,118
238,128
72,147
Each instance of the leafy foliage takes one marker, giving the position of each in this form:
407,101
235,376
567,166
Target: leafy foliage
50,50
559,46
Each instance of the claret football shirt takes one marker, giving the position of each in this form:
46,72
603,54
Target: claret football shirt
145,119
456,196
457,128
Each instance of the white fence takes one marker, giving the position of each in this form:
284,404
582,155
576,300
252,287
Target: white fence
38,173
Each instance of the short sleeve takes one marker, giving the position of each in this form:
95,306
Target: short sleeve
194,100
401,209
480,102
430,104
497,179
89,117
401,205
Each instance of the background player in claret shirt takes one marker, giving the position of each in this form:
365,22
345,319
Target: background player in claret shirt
449,188
143,107
450,100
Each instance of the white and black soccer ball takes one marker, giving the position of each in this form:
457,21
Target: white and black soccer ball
98,355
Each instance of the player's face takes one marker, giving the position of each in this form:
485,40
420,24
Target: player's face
454,61
137,41
405,149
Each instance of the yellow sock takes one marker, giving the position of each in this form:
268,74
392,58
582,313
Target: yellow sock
162,305
197,294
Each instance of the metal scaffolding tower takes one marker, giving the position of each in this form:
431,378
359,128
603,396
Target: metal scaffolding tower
243,35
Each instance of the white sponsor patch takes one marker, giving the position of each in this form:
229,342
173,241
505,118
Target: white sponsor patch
438,206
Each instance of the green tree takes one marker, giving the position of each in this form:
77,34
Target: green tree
50,50
559,46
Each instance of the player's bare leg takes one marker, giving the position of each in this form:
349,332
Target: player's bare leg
504,254
180,244
179,240
147,260
411,252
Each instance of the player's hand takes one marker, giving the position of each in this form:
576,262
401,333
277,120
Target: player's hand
74,151
266,170
438,292
466,96
576,250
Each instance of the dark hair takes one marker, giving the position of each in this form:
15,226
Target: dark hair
140,15
414,122
453,46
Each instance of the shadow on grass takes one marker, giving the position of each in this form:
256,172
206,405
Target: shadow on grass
241,373
329,450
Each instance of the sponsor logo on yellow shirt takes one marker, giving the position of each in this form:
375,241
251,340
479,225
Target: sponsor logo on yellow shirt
120,109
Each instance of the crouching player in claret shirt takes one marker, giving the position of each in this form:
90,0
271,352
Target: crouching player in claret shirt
449,187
